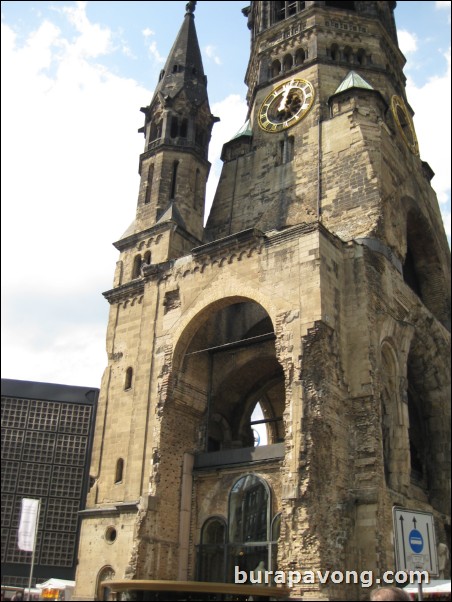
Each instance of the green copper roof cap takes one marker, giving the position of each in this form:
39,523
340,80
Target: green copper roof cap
353,80
245,130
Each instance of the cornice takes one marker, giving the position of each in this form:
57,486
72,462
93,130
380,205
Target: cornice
125,291
234,242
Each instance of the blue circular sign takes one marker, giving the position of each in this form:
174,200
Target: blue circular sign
416,541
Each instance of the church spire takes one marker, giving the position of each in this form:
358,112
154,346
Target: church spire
178,124
184,69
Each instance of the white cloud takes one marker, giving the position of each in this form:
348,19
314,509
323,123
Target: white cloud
408,41
443,5
53,179
152,47
431,103
153,50
211,53
74,356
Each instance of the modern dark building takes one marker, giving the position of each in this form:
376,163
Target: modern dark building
47,432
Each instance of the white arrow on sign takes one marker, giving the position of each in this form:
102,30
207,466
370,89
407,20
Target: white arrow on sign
414,541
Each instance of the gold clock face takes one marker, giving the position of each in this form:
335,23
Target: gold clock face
286,105
405,124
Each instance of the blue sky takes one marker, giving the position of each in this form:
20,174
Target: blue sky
74,76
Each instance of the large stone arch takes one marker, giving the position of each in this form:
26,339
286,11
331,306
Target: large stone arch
222,360
426,265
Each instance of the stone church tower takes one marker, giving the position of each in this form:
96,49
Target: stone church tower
313,307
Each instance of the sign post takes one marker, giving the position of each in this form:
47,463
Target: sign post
415,543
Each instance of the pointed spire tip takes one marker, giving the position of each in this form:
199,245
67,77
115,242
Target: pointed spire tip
190,8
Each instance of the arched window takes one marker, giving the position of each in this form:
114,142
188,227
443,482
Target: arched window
174,180
136,270
300,56
249,524
288,62
119,472
249,510
147,258
212,550
361,57
334,52
348,54
248,541
184,128
150,177
275,68
129,379
174,132
106,574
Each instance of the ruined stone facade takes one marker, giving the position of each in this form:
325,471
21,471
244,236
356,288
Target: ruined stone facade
318,290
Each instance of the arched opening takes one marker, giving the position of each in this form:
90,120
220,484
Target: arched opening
348,54
427,396
119,472
212,550
174,131
136,270
149,180
106,574
183,128
128,382
232,358
361,57
275,68
300,56
288,62
422,268
334,52
174,180
249,538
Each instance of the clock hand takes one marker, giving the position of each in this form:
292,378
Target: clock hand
287,89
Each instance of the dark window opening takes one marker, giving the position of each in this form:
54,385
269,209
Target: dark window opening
129,379
147,199
361,57
417,438
174,180
174,127
288,62
183,128
275,68
284,10
348,54
300,56
119,470
410,274
147,258
335,54
136,271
